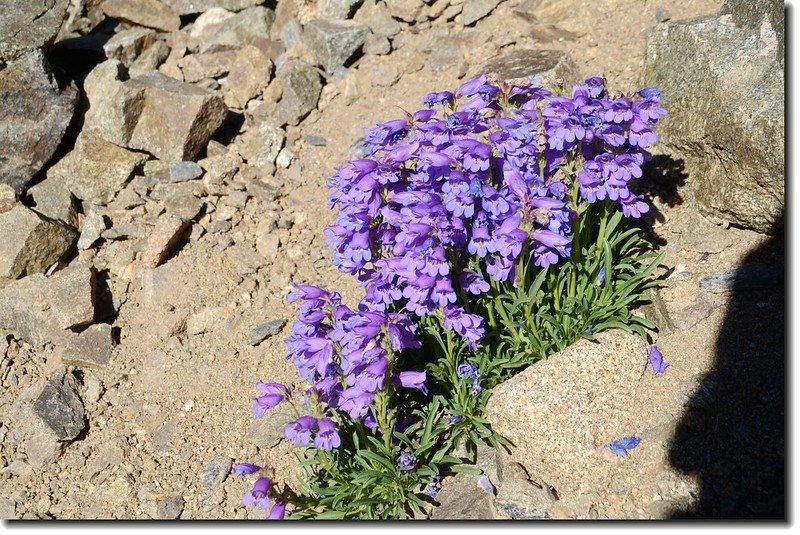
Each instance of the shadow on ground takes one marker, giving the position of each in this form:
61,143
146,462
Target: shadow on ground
731,435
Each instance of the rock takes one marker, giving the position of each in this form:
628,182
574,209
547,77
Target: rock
520,498
183,171
60,407
315,140
377,17
575,507
292,34
377,45
169,508
662,15
216,471
53,200
748,277
267,431
8,198
114,107
726,109
150,59
183,205
248,77
30,243
657,312
553,67
196,67
264,331
177,119
405,10
462,499
42,449
474,10
332,42
335,9
95,170
167,233
260,146
8,508
28,25
189,7
209,319
558,411
91,348
301,90
71,296
267,244
150,13
34,115
127,45
248,27
687,307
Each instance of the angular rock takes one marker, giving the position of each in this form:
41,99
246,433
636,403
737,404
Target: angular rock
34,116
332,42
248,27
60,407
259,146
377,45
405,10
91,348
114,107
301,90
183,205
377,17
54,200
183,171
726,109
95,170
335,9
553,67
127,45
30,243
520,498
28,25
195,67
189,7
169,508
93,226
8,198
553,411
474,10
150,13
177,119
168,231
249,75
264,331
216,471
747,277
208,22
461,498
149,60
71,296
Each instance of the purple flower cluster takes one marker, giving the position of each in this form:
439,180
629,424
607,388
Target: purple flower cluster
466,370
259,495
455,194
346,356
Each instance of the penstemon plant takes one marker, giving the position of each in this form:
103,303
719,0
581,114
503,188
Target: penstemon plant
489,230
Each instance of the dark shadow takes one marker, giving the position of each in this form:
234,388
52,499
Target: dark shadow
731,435
104,309
662,176
77,56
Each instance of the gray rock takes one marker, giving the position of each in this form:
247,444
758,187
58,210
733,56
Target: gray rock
377,45
315,141
34,115
461,498
28,25
335,9
184,171
553,67
747,277
30,243
248,27
71,296
264,331
169,508
177,119
60,407
189,7
259,146
267,431
216,471
150,13
54,200
183,205
662,15
332,42
292,33
95,170
519,497
127,45
114,107
726,109
91,348
249,75
377,17
301,90
474,10
8,198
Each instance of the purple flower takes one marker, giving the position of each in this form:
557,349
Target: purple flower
272,394
465,369
657,362
245,469
473,283
476,387
278,511
406,461
412,379
468,326
621,446
258,495
486,485
355,401
601,276
453,420
442,97
327,438
299,431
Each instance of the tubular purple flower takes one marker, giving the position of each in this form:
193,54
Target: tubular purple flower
327,437
656,359
473,283
411,379
245,469
299,431
278,511
272,394
259,494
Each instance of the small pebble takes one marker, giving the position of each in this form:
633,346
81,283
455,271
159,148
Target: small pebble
315,141
264,331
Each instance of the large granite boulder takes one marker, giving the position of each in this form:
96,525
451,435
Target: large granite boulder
28,25
722,81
